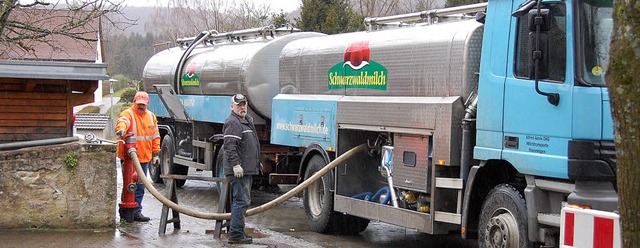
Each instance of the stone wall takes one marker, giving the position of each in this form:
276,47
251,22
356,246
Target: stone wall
39,190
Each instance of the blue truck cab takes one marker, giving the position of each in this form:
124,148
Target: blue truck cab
558,134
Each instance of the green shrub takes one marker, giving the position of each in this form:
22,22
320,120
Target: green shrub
121,83
71,161
127,95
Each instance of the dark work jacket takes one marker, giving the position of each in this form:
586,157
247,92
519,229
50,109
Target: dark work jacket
241,145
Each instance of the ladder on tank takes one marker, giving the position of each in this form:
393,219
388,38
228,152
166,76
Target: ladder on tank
451,189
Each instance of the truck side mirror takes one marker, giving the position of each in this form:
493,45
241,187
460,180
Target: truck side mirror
539,25
543,19
539,42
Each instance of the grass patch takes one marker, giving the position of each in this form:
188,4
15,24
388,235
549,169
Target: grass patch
117,108
90,110
119,92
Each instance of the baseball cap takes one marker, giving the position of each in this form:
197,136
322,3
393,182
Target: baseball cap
238,98
141,97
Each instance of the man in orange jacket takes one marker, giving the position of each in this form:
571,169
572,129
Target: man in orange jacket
144,125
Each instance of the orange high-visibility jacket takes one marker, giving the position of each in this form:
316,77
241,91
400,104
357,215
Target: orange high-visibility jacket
145,128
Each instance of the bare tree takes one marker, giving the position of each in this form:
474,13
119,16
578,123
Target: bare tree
249,15
374,8
184,18
22,26
422,5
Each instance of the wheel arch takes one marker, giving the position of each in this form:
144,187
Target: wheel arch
310,151
165,130
482,178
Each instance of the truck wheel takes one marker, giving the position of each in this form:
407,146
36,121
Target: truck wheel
218,172
166,162
180,170
503,220
318,205
155,171
353,225
318,199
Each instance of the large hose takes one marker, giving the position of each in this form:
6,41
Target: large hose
259,209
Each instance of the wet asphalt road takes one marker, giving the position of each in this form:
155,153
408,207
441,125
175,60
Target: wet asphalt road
283,226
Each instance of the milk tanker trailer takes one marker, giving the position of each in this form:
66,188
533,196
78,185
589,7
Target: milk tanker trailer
191,86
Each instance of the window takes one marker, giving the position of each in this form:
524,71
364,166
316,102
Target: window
557,54
595,25
409,158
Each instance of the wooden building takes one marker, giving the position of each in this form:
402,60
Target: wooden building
37,97
40,87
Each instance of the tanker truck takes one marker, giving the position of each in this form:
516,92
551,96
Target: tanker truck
488,127
491,126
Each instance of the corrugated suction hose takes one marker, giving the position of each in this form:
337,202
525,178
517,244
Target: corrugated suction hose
259,209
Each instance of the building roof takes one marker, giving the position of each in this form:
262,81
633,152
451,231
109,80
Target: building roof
91,121
55,47
53,70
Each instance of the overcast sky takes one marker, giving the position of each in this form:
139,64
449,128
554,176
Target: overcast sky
276,5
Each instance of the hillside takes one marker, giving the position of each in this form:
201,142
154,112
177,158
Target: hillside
140,15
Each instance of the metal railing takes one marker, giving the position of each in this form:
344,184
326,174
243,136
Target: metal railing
429,15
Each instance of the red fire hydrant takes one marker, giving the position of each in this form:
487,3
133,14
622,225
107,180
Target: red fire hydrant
128,202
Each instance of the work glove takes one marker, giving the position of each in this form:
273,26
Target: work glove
156,159
238,171
121,132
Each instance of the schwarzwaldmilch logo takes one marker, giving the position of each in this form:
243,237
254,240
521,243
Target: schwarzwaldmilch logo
358,70
190,78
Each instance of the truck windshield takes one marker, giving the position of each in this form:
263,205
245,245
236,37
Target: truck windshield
595,25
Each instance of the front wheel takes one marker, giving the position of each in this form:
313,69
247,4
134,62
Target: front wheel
503,220
155,171
166,162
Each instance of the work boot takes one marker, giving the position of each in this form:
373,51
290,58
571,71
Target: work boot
141,218
246,239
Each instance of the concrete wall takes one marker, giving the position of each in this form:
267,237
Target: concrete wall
37,189
99,133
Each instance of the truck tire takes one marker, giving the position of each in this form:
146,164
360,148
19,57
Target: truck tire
166,162
155,171
218,171
503,219
318,205
318,199
352,225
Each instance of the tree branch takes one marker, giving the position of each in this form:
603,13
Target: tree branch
23,25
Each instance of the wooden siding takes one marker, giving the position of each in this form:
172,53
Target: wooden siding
32,109
34,116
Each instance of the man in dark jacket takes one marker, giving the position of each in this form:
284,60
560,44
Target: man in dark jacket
241,161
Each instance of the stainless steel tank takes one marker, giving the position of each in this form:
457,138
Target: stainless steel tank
435,60
247,67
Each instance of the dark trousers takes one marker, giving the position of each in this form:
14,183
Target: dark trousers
140,189
241,199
